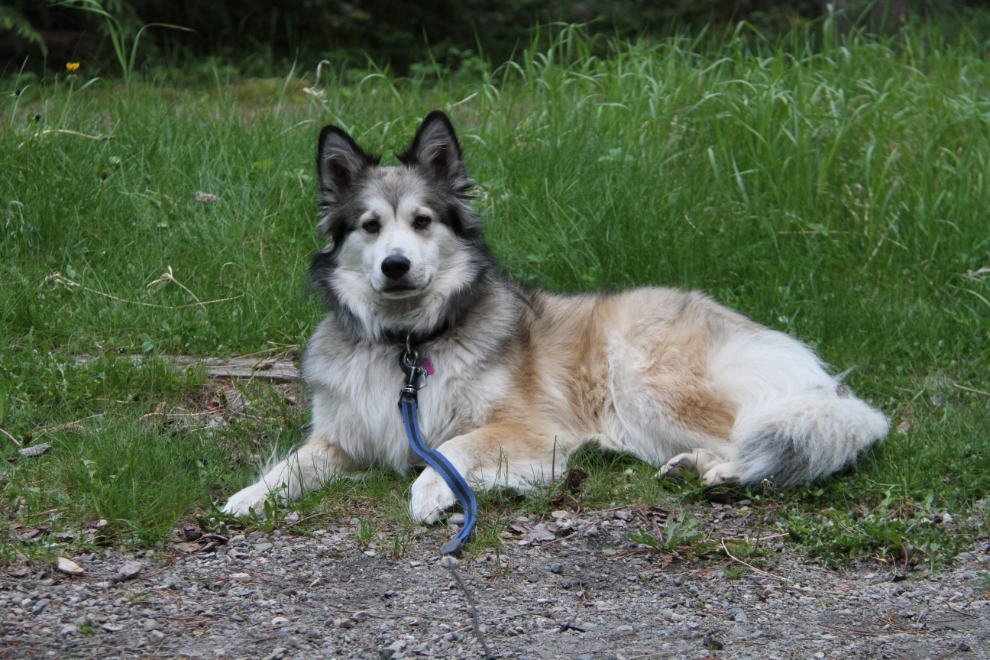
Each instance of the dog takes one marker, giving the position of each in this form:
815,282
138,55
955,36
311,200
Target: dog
523,378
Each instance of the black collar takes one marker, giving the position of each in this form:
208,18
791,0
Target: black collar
407,338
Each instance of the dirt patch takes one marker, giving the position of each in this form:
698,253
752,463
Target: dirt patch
589,595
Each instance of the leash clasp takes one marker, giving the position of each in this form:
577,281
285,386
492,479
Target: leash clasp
412,367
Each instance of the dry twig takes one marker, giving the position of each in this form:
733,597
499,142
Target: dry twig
58,278
11,437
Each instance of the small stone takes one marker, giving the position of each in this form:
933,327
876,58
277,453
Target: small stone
713,643
68,629
586,656
964,647
69,567
370,553
237,617
533,577
736,614
361,616
557,569
128,571
625,630
191,533
150,624
343,622
277,653
455,519
40,605
157,636
263,547
385,654
412,621
280,621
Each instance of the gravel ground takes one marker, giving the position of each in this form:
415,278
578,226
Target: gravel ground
588,595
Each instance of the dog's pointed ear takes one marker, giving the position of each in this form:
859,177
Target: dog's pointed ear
436,148
339,162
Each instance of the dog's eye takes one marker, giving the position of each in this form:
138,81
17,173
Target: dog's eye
422,221
372,226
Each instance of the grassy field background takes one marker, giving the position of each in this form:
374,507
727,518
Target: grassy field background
835,192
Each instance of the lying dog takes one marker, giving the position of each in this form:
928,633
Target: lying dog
524,378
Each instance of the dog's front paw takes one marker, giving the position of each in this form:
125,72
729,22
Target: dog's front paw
723,473
430,497
246,500
676,468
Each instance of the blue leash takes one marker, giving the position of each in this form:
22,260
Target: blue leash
416,373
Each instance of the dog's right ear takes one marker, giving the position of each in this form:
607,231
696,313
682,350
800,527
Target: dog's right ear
339,162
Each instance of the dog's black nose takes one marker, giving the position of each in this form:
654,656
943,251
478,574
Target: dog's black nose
395,266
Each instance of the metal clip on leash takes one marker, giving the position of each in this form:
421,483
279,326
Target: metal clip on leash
416,371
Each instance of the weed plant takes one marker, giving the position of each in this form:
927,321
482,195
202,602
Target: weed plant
834,190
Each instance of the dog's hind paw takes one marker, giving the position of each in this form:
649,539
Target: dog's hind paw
431,496
244,501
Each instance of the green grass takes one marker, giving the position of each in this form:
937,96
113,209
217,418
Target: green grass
835,192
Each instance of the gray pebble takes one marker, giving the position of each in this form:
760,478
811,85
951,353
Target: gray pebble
557,569
736,614
964,647
39,606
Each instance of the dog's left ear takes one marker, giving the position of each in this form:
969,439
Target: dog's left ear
436,148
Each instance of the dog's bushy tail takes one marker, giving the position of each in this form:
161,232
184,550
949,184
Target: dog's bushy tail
803,436
794,421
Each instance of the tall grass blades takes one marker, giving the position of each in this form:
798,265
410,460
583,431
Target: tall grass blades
835,190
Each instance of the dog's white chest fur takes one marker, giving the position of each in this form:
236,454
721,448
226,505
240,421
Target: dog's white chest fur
356,395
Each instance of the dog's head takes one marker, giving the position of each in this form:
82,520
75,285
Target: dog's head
404,243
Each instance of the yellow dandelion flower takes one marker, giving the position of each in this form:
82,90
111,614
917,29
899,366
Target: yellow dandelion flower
72,66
